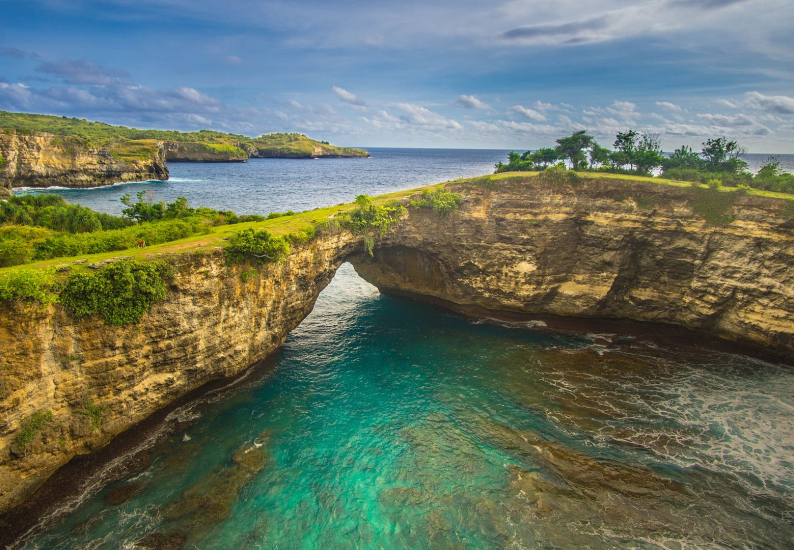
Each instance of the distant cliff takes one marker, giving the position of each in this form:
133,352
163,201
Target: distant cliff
86,154
721,263
203,152
43,160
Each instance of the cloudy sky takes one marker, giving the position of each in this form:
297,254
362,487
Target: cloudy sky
422,73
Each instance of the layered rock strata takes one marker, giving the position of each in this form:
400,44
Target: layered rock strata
605,248
97,380
45,160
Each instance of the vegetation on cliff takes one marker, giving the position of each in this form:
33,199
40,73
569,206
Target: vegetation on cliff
211,143
641,153
439,200
370,219
121,293
256,245
40,227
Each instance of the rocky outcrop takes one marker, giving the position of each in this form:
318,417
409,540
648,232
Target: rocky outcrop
203,152
600,249
97,380
5,190
45,160
605,248
309,149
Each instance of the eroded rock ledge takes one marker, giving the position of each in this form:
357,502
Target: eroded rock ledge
43,160
607,248
602,249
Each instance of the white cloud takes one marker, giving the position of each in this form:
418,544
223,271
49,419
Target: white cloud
527,113
233,60
727,120
470,102
350,98
669,106
779,104
420,116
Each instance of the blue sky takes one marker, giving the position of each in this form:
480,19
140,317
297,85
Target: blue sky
451,73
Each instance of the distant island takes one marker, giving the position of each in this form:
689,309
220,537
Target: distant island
43,151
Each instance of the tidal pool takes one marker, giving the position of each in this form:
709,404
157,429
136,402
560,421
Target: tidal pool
388,423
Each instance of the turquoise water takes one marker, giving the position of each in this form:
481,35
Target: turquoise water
387,423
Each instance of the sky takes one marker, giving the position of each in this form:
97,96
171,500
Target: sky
513,74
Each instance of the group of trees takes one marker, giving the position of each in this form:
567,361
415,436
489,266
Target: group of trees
719,159
640,152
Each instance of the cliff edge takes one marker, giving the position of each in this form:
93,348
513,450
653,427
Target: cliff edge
39,159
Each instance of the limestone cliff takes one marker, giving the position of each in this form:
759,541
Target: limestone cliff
42,160
601,248
203,152
214,324
604,248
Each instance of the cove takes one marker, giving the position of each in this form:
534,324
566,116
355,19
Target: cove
393,423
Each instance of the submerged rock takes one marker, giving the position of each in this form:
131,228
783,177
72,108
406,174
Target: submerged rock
119,495
159,541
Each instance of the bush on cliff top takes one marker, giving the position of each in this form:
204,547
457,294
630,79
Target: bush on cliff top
259,246
29,285
367,217
714,205
121,292
441,201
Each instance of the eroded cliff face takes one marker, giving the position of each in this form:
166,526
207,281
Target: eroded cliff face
200,152
214,324
602,249
44,160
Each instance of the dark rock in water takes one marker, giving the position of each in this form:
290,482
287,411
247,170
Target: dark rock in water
209,501
159,541
122,494
251,458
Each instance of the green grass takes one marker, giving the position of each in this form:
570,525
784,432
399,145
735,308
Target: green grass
99,134
134,150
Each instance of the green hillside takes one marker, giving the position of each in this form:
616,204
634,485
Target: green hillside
99,134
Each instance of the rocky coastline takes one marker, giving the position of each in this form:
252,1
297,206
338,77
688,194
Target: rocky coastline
624,251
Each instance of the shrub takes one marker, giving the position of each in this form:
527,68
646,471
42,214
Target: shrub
259,246
31,426
559,175
29,285
713,205
121,292
94,413
439,200
368,217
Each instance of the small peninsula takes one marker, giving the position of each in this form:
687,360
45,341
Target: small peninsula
43,150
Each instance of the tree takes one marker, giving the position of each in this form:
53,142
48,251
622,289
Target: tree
145,210
599,155
545,156
626,144
683,157
722,155
649,152
573,147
